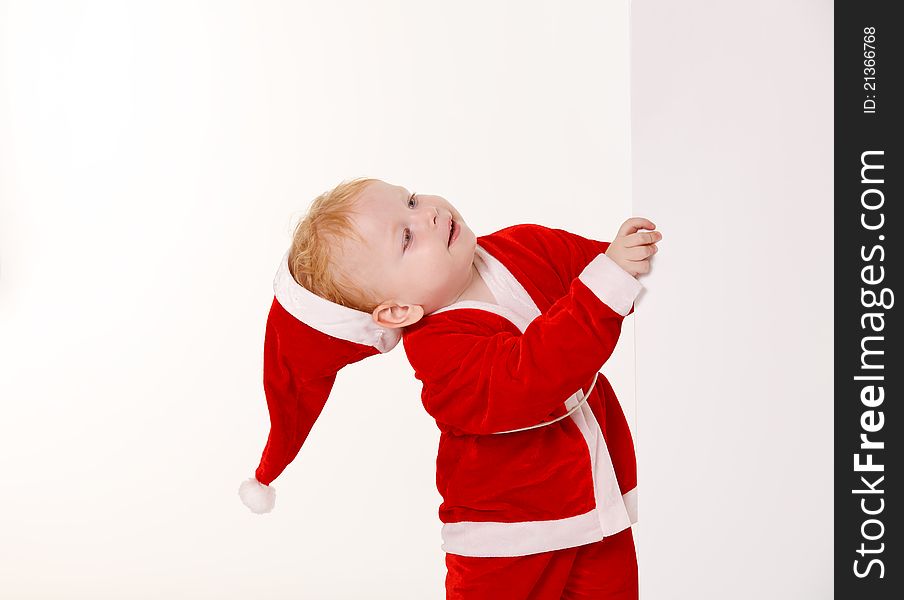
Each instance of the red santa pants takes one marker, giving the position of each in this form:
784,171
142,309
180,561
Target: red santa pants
603,570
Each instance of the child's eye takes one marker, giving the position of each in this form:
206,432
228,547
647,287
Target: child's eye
411,199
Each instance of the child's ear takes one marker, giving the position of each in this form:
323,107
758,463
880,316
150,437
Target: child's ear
393,316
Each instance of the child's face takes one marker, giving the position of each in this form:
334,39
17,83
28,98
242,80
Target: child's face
407,258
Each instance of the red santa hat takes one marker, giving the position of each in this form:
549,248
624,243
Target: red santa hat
308,340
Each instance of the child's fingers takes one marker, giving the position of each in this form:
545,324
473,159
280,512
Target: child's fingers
633,224
638,253
642,238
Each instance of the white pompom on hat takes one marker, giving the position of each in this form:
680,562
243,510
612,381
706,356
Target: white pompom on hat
308,340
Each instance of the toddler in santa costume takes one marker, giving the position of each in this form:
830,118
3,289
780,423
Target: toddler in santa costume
507,332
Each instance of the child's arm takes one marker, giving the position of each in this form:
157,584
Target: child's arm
483,380
569,252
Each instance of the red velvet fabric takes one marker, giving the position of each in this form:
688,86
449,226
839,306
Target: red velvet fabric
300,365
604,570
482,374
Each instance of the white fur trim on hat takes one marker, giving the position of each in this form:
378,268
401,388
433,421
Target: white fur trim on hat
328,317
258,497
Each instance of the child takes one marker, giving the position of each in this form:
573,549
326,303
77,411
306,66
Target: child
507,332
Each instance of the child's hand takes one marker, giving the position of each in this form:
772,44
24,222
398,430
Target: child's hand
631,249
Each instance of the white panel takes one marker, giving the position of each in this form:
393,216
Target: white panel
732,159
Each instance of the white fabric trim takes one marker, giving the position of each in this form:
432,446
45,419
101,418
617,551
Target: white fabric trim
613,285
631,504
610,504
490,538
506,287
614,511
328,317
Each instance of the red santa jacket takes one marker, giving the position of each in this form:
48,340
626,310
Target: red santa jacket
508,367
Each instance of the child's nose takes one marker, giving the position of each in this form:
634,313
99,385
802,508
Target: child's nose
431,217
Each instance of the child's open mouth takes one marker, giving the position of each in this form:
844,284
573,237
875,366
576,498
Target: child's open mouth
453,233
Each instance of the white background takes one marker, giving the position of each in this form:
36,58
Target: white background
732,114
153,160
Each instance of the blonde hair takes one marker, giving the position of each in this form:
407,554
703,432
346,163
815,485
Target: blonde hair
311,256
